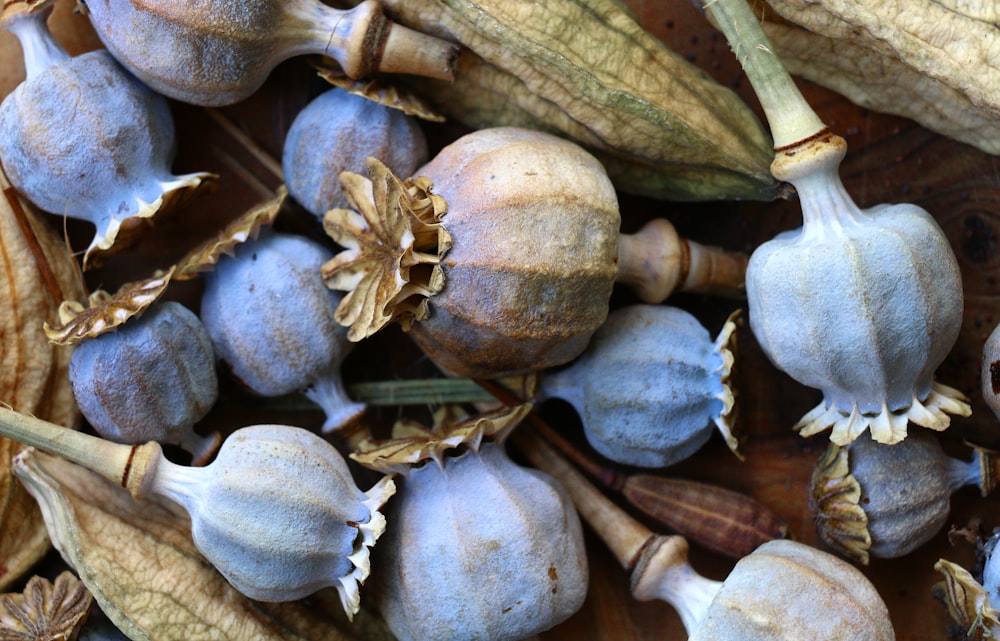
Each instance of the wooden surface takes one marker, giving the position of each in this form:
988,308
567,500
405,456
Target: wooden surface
889,160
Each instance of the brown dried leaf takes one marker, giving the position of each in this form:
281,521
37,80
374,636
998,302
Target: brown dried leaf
45,612
378,91
138,560
36,272
934,61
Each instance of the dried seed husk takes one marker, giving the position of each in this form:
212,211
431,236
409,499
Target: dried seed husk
660,125
934,62
138,560
38,272
45,611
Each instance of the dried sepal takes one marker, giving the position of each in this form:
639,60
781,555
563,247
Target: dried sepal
45,611
725,347
967,602
393,244
104,312
412,443
378,91
887,426
835,499
246,227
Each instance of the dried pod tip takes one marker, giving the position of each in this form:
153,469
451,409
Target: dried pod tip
835,499
656,262
393,244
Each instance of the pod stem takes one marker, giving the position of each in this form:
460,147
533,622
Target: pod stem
656,262
791,118
131,466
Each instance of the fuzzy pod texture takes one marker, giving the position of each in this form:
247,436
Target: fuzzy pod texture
83,138
151,379
479,548
271,320
279,515
787,590
534,223
337,131
861,304
650,387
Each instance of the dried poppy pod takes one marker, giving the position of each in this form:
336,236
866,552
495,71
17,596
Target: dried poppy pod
861,304
337,131
505,248
479,548
218,53
990,371
869,499
151,379
81,137
276,512
782,591
271,320
650,386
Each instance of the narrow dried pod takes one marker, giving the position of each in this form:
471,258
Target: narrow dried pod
522,214
152,379
276,512
81,137
651,386
783,590
271,320
869,499
480,548
337,131
218,53
861,304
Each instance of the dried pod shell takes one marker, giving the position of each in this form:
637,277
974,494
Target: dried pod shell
336,132
990,372
869,499
271,320
45,610
150,380
651,386
773,595
968,602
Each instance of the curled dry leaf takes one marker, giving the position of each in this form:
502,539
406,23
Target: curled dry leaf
659,124
45,611
36,272
139,562
934,61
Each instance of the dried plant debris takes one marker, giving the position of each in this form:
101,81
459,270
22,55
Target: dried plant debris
936,62
45,611
139,562
377,90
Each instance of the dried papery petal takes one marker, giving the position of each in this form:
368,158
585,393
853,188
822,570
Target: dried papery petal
45,611
412,443
968,603
394,244
835,500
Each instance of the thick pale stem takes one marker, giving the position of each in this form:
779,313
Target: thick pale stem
658,564
656,262
41,51
131,466
791,118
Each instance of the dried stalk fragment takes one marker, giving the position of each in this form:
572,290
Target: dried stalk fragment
393,249
143,569
45,611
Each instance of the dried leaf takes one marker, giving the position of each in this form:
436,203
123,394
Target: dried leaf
36,273
936,62
587,71
377,90
138,560
45,612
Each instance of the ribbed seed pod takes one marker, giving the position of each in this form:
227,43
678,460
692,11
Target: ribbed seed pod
650,386
990,371
271,320
337,131
870,499
150,380
81,137
479,548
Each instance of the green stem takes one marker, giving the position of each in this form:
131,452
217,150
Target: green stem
791,118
